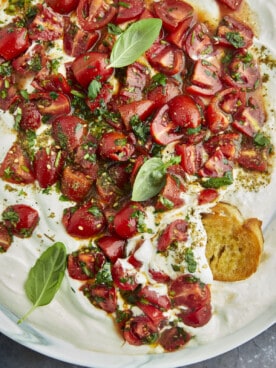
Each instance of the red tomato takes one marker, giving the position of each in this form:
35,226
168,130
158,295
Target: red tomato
228,143
174,338
216,166
46,82
129,10
252,157
198,43
172,12
77,41
116,146
90,66
162,128
170,195
85,157
20,220
232,4
69,132
198,317
207,196
84,221
8,92
169,60
137,77
159,276
188,291
13,41
163,94
242,35
184,112
51,103
48,165
104,96
178,36
101,296
126,220
155,314
16,167
32,61
84,264
74,184
175,231
62,6
141,109
140,330
95,14
148,295
124,275
112,247
191,157
5,238
31,117
46,26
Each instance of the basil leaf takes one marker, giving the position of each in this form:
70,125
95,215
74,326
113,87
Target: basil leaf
134,41
94,89
149,180
45,277
227,179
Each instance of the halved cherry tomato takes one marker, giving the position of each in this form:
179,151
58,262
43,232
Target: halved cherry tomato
178,36
175,231
85,264
191,157
8,93
46,82
77,41
69,132
172,12
234,33
95,14
5,238
126,220
51,103
124,275
116,146
140,330
207,196
16,167
184,112
163,129
137,77
90,66
155,314
252,157
188,291
141,109
101,296
75,185
162,94
13,41
48,165
232,4
159,276
170,195
198,43
84,221
85,157
228,143
32,61
112,247
63,6
216,166
46,26
197,317
20,219
150,295
169,60
174,338
104,96
129,10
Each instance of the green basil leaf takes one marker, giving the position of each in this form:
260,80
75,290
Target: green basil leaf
149,180
45,277
134,41
227,179
94,89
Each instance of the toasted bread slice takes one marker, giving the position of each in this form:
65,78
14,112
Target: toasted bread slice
234,245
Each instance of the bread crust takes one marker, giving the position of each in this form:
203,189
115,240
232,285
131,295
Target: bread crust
234,244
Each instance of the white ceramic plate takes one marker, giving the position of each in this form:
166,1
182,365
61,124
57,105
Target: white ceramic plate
90,340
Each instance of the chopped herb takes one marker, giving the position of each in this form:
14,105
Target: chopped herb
190,259
235,39
94,89
227,179
95,211
261,140
113,29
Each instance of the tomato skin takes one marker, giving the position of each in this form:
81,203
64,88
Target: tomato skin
31,61
69,132
45,82
125,221
159,276
9,93
137,78
228,143
74,184
94,15
198,317
16,167
150,296
178,36
115,146
62,6
48,165
231,4
207,196
172,12
184,112
174,338
31,117
81,223
142,109
191,157
112,247
198,43
156,316
21,220
163,94
170,196
5,238
105,95
85,264
101,296
13,41
131,10
89,66
169,60
175,231
216,166
252,157
51,103
140,330
124,275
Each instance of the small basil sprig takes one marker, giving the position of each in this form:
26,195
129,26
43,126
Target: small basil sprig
45,277
227,179
151,178
134,41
